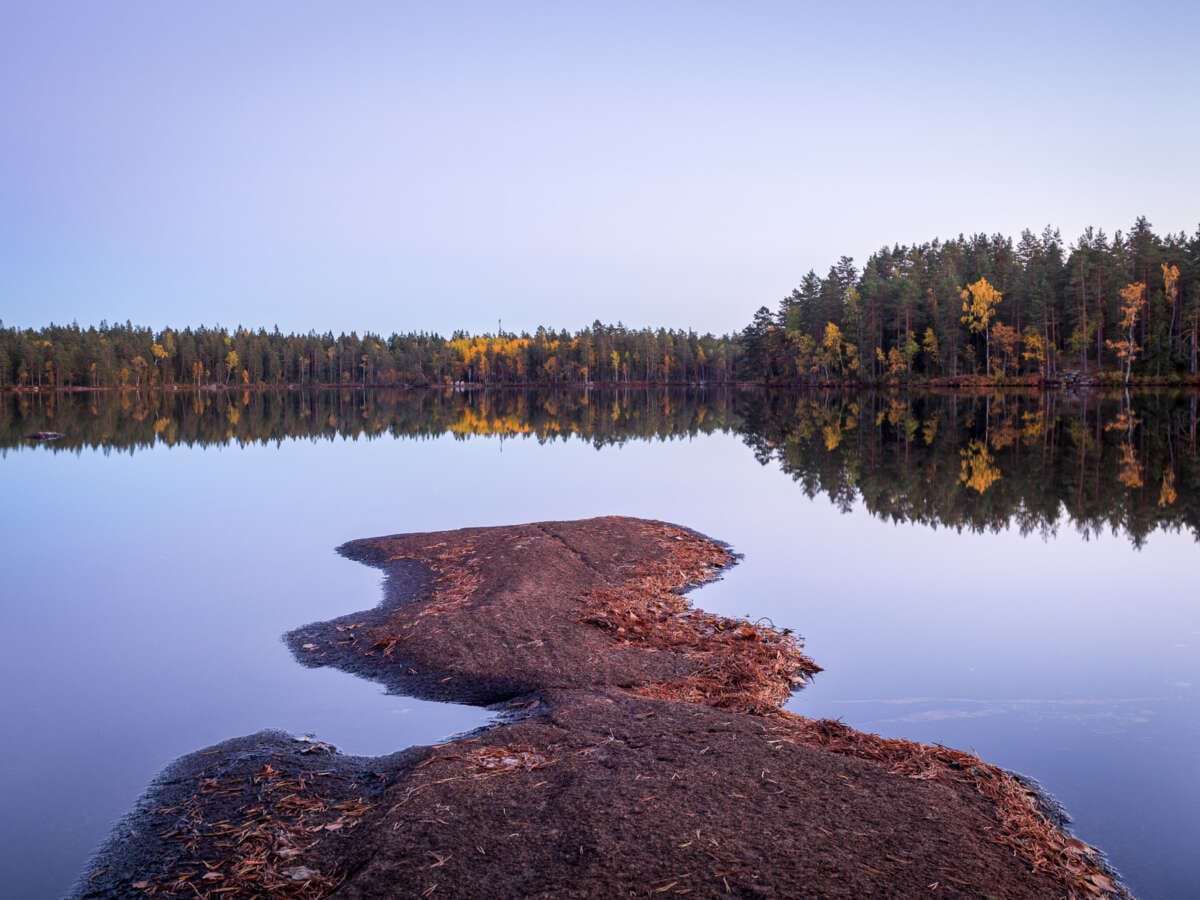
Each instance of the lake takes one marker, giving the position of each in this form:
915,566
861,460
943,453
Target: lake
1010,574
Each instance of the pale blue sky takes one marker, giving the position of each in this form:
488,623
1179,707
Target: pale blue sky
382,166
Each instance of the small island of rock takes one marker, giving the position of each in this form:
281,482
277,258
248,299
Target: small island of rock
643,752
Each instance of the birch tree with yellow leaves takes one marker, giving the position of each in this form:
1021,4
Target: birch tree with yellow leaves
980,300
1134,297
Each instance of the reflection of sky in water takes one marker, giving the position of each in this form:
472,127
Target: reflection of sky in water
144,598
1067,659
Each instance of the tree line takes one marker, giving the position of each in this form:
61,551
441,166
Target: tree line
125,355
987,307
979,308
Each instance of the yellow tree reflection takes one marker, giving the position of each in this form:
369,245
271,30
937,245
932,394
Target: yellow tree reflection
1166,493
979,471
1129,468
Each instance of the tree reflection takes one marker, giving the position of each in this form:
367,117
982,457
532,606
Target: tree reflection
1118,462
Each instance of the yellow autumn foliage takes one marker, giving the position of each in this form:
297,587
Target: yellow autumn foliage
1166,493
979,471
1130,473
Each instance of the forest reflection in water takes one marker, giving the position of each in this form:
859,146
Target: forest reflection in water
163,544
978,462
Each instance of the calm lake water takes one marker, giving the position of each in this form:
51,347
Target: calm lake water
1011,575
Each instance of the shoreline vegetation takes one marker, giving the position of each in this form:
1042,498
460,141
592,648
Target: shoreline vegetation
642,749
978,311
1066,381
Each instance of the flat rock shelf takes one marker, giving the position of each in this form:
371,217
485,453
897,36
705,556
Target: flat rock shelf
642,752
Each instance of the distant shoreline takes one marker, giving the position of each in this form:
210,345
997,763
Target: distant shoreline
966,384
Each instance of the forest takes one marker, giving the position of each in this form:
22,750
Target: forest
979,310
991,309
128,356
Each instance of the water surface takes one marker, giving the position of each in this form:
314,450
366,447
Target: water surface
1007,574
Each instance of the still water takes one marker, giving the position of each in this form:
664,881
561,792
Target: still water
1011,575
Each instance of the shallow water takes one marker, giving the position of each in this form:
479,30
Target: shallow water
145,594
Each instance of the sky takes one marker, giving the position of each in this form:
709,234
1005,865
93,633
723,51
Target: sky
439,166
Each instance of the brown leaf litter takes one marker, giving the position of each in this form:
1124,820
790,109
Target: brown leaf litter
650,756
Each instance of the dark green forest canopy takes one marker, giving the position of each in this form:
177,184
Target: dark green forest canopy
989,308
132,357
909,312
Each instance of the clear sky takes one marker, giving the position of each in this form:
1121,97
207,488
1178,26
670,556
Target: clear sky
433,166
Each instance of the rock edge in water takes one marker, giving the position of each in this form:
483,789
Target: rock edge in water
647,754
